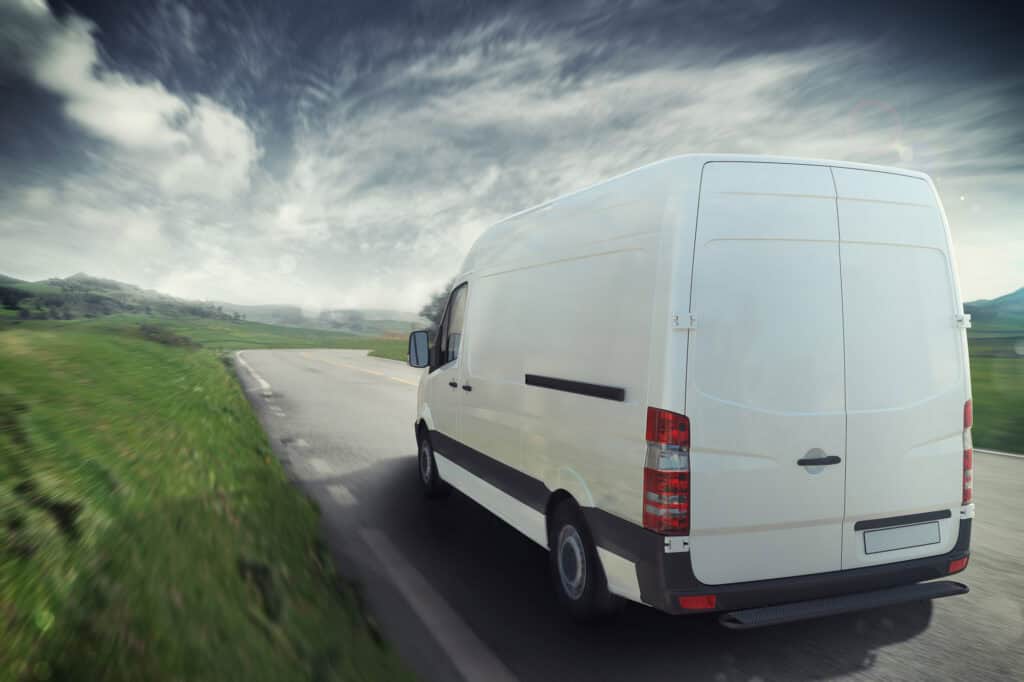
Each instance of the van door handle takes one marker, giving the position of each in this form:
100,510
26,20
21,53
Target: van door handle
818,461
467,387
453,384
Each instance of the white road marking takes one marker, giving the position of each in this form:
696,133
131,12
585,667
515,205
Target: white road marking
468,653
342,495
267,391
1001,454
300,443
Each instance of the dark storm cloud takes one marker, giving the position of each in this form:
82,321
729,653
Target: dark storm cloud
348,153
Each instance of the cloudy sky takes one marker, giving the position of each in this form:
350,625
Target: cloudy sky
347,154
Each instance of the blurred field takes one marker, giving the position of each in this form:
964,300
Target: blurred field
229,335
83,296
997,378
998,385
148,531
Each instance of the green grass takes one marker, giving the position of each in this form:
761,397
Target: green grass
996,343
998,396
230,335
148,531
997,378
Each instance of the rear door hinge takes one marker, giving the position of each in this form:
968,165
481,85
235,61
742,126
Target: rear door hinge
963,320
683,321
676,543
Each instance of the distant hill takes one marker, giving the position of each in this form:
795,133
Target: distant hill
375,322
82,295
290,315
1003,313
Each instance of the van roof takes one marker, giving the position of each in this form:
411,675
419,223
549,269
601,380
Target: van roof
701,159
766,158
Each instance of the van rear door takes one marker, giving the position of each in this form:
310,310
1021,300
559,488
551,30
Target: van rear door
906,373
764,382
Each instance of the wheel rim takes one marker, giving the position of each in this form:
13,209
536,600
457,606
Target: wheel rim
426,468
572,562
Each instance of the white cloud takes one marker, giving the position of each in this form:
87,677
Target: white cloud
196,148
393,174
499,130
218,156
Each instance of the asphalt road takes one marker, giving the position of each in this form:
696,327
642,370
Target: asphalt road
460,594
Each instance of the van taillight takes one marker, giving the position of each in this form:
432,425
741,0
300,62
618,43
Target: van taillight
968,454
667,473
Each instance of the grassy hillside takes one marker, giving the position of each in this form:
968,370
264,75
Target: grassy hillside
81,296
84,296
148,532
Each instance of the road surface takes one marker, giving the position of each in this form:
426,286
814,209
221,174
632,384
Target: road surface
463,596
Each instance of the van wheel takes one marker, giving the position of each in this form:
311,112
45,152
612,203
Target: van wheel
431,481
575,568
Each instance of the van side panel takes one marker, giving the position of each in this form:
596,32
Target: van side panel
566,293
905,385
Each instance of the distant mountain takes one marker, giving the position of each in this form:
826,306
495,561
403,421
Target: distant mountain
83,295
1005,312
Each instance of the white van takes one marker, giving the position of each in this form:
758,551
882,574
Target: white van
715,383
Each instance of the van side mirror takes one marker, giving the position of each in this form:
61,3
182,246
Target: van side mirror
419,349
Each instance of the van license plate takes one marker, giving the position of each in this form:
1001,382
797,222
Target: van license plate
901,537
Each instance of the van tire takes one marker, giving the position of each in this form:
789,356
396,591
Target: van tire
576,570
426,467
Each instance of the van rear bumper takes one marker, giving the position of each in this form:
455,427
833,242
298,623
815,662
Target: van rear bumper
665,577
844,603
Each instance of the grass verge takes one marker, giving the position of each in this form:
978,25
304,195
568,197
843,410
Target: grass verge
997,382
148,531
998,396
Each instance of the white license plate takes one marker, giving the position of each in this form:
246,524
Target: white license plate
901,537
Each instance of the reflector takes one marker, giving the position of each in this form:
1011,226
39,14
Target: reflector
702,601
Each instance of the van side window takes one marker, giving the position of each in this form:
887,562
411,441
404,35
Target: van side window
451,328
